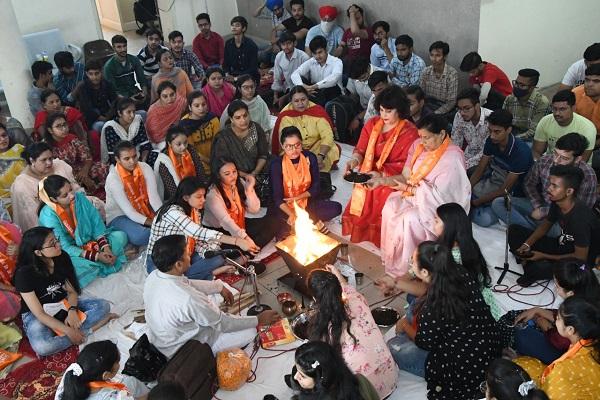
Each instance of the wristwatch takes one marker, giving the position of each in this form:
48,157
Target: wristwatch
74,308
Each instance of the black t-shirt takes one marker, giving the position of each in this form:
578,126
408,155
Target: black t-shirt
291,25
48,288
579,227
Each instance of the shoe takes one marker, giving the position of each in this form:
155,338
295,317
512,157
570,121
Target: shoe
525,281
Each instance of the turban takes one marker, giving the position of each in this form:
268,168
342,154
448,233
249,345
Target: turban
271,4
328,11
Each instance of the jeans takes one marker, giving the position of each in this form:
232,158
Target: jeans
43,339
483,216
532,342
200,268
521,214
138,235
407,355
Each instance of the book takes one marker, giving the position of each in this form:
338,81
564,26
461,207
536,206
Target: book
277,334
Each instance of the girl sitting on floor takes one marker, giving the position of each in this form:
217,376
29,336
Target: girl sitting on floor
54,315
95,376
94,249
181,215
505,380
576,374
320,373
178,160
541,339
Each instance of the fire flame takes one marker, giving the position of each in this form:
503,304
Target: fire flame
308,243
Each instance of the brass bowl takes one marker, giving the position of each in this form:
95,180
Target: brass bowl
284,296
289,307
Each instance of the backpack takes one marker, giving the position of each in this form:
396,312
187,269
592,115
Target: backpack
195,368
342,111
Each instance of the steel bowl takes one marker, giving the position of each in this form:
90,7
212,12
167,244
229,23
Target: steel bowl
385,316
289,307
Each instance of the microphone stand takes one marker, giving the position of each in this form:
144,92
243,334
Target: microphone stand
249,271
505,268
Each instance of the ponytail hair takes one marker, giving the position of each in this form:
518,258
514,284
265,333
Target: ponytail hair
574,276
94,360
506,380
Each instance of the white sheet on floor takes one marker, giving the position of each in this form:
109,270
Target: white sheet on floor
124,290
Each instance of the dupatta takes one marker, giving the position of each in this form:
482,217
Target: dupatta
313,110
161,117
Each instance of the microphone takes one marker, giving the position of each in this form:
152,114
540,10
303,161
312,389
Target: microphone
223,252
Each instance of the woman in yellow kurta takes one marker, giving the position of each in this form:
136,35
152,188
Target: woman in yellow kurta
576,374
314,124
11,165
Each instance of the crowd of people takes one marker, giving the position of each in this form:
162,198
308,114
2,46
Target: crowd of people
172,150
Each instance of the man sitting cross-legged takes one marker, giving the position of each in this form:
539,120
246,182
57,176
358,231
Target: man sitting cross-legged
188,312
580,230
531,210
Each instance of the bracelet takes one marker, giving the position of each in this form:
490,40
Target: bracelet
322,155
527,244
74,308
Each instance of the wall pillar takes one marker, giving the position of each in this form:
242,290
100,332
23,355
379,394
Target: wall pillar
15,68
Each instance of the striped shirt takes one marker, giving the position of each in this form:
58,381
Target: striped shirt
176,222
149,62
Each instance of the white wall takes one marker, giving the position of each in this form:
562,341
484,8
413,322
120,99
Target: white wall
182,16
548,35
76,19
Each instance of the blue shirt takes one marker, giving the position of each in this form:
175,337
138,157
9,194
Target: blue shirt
64,85
378,57
516,159
409,73
333,38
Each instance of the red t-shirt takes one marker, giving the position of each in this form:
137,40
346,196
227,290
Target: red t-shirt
209,51
357,46
495,76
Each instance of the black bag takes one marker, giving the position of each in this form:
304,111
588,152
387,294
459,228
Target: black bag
327,189
145,361
195,368
342,111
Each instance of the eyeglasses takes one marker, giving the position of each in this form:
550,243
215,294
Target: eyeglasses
292,146
560,157
520,85
204,24
51,244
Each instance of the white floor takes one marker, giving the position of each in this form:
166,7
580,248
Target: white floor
125,291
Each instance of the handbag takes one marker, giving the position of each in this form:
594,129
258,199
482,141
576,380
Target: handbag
195,368
145,360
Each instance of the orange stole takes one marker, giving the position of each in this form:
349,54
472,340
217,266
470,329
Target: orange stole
296,179
109,385
359,192
426,166
134,184
7,264
70,224
569,354
184,167
236,209
191,242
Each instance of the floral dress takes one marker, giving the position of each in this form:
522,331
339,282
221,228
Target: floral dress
369,356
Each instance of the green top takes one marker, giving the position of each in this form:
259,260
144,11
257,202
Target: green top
124,75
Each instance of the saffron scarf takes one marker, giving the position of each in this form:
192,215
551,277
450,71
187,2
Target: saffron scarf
296,178
359,192
191,242
161,117
7,263
184,167
569,354
425,167
109,385
313,110
68,221
134,184
235,210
